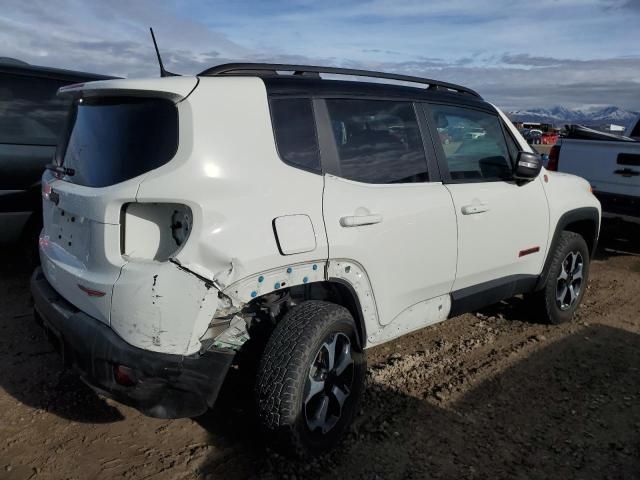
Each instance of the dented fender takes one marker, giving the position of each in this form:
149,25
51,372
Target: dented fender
295,274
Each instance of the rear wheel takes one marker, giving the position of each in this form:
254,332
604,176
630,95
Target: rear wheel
310,379
566,280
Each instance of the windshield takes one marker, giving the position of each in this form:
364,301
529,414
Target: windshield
112,139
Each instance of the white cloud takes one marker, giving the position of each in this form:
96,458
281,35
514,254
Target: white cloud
106,37
518,55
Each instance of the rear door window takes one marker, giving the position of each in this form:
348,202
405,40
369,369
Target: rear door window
378,141
30,112
295,132
113,139
473,143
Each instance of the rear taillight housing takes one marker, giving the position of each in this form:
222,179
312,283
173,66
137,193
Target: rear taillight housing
554,157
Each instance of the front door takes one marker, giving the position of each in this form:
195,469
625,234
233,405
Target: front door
502,225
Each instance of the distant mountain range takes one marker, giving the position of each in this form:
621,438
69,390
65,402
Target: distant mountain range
586,116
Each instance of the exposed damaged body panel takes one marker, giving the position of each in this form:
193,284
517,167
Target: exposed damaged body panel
162,245
160,307
285,276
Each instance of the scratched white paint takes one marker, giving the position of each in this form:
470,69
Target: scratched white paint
160,307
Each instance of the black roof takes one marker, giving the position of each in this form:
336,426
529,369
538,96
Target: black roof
291,85
17,67
285,78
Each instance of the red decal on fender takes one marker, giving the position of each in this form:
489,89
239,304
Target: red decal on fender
528,251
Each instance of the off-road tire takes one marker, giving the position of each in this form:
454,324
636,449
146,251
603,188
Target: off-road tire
284,369
545,300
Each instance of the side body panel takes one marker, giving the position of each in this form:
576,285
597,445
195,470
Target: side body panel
294,234
231,177
610,167
567,193
514,219
227,171
498,221
409,255
567,197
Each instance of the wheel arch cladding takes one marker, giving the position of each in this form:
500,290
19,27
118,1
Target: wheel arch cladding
587,229
345,295
339,292
585,222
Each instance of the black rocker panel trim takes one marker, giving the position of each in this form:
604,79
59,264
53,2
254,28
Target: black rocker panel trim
484,294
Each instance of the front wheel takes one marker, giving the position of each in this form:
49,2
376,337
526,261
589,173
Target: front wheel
566,280
311,379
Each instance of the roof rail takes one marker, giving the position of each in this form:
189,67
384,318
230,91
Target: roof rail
315,71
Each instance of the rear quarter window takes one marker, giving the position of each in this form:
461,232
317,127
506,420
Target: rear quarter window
295,132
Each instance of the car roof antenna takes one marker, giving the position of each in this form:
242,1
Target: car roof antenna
163,72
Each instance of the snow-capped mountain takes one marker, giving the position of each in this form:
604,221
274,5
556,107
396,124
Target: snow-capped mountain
559,115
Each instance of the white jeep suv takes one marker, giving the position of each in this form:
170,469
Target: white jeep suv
186,218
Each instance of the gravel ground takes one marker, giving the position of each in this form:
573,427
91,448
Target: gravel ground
490,395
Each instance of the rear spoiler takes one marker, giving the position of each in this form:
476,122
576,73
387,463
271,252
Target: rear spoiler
173,88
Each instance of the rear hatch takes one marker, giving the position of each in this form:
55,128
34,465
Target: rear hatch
117,132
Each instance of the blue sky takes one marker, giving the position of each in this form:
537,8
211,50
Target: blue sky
577,53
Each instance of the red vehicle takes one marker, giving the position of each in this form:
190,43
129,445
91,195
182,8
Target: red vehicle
549,138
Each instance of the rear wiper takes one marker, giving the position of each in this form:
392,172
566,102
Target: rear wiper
69,172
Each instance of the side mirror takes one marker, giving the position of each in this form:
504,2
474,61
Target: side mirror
528,166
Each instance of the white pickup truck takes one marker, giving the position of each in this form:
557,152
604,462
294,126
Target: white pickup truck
611,164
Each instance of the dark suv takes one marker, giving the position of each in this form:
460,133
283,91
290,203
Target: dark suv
31,118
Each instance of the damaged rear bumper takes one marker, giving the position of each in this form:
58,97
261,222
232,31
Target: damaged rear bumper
164,386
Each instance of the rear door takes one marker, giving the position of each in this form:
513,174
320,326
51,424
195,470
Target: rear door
384,206
502,224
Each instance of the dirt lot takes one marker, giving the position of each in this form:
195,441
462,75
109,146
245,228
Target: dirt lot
491,395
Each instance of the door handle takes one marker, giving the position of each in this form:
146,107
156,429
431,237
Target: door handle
359,220
627,172
475,208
